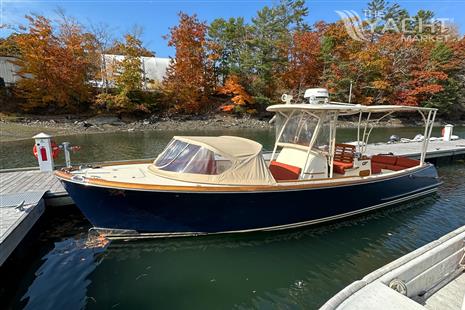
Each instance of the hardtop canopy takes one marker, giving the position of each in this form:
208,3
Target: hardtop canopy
344,108
334,109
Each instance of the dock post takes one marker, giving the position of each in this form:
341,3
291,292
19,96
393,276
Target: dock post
447,132
44,151
66,149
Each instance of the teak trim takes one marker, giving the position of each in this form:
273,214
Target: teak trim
67,176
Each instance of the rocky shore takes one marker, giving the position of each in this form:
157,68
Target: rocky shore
25,126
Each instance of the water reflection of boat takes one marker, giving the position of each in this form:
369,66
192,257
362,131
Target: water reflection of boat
201,185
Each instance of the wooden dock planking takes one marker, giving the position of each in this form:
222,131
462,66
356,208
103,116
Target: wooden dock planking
16,223
34,180
17,219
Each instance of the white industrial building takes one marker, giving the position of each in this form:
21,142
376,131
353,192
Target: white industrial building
153,68
8,70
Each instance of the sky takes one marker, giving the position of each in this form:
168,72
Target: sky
157,16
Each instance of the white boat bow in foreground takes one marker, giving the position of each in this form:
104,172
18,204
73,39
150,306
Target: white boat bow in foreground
431,277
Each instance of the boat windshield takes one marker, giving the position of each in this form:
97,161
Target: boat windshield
183,157
300,129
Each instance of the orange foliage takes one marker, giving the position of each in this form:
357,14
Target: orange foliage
386,69
424,79
305,66
189,80
240,97
55,66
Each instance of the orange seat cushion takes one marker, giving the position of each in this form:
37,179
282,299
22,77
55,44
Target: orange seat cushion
384,159
282,172
389,162
340,167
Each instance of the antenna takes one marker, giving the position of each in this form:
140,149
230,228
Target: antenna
350,92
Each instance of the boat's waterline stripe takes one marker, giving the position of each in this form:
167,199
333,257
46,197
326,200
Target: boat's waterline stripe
419,193
240,189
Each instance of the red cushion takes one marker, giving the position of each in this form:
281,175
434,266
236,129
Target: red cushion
407,162
340,167
384,159
375,168
283,172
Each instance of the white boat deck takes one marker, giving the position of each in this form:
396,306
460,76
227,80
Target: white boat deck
451,296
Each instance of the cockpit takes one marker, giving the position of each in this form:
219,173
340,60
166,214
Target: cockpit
306,148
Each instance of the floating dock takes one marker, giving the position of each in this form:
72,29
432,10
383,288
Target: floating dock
23,197
436,149
24,194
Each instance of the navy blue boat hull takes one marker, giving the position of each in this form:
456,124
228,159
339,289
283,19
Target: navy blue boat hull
160,212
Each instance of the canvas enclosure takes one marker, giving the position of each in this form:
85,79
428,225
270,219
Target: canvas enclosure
223,160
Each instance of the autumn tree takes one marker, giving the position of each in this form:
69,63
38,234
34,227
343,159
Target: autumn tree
128,77
104,38
435,80
241,101
266,58
227,40
55,64
189,81
121,47
338,50
9,47
305,66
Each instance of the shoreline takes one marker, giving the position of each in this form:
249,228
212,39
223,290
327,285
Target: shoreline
22,128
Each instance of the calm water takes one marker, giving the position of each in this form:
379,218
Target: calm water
132,145
286,270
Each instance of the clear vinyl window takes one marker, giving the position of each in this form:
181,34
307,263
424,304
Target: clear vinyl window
301,127
190,158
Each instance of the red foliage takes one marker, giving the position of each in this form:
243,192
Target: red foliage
305,66
189,80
